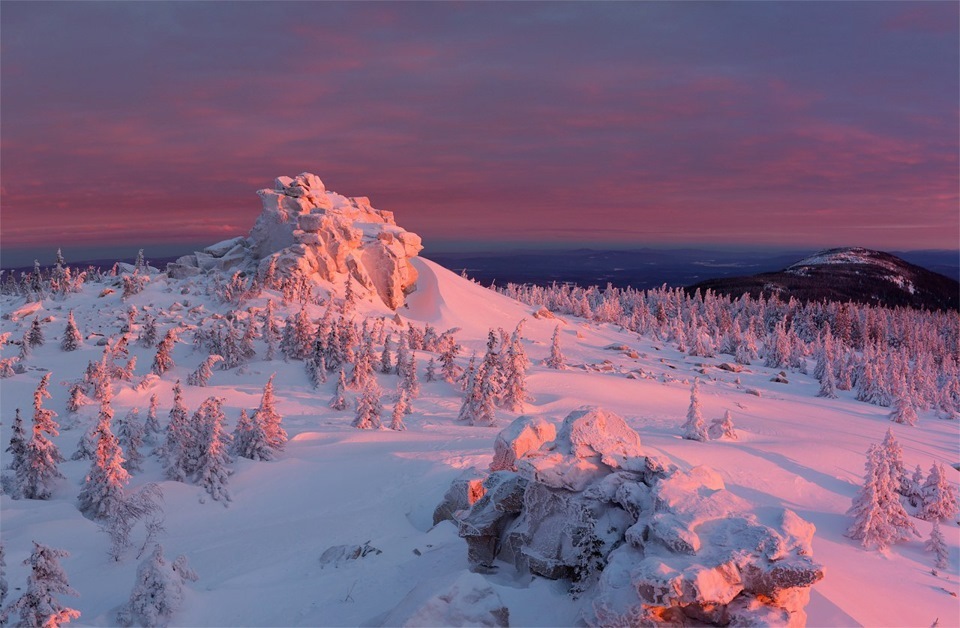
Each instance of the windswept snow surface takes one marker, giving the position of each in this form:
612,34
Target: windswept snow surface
258,559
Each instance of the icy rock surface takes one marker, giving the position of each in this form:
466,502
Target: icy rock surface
525,434
649,542
326,236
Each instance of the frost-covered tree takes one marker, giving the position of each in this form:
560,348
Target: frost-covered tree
828,384
722,428
38,606
939,496
151,427
879,518
71,339
472,399
212,467
556,359
386,358
35,335
102,490
179,440
204,372
694,428
369,407
271,334
158,592
339,400
130,435
77,399
163,361
403,353
399,409
250,441
448,354
148,332
938,546
25,350
408,378
515,385
317,369
18,443
891,450
430,374
269,419
35,478
903,410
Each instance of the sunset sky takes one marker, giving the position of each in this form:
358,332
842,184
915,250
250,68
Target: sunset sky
800,124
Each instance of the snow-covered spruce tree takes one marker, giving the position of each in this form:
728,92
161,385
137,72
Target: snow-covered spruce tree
35,335
163,361
38,606
25,350
938,546
204,372
488,390
77,398
722,428
18,443
339,400
87,445
212,467
317,369
903,410
151,427
515,387
130,434
72,339
399,409
148,331
939,497
430,374
369,407
102,489
35,478
271,334
409,380
386,358
914,492
448,354
694,428
556,359
180,437
269,419
828,384
158,591
879,519
891,450
471,400
403,353
250,441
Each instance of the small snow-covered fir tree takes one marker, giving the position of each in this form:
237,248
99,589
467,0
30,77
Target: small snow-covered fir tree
938,546
915,490
130,435
556,359
828,384
431,373
515,385
399,409
903,411
939,496
179,438
25,349
386,359
893,453
212,467
151,427
77,398
148,331
369,407
35,335
204,372
339,400
72,339
448,354
879,519
250,441
158,591
38,606
694,428
408,379
35,478
163,361
269,419
722,428
102,490
18,443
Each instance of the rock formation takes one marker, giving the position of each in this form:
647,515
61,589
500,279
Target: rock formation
650,542
325,236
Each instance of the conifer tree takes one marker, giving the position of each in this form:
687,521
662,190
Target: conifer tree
38,606
386,359
879,519
270,331
938,546
939,496
317,369
130,435
36,476
488,390
163,361
556,359
515,386
828,384
269,419
339,401
409,380
722,427
891,450
448,354
369,407
152,426
148,332
250,441
915,491
403,354
431,372
71,336
102,491
77,399
903,410
472,399
35,335
179,438
25,350
18,443
204,372
158,591
212,467
694,428
399,409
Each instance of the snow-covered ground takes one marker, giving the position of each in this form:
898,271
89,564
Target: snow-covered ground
258,559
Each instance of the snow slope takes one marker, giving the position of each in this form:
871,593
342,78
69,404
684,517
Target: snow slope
259,558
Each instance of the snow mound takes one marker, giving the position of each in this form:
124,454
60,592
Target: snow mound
306,229
469,601
650,542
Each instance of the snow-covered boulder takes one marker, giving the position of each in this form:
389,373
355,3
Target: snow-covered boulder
304,228
527,433
652,543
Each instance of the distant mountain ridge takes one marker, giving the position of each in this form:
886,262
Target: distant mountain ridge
848,274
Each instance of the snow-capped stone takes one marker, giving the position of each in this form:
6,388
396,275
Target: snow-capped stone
304,228
526,433
463,493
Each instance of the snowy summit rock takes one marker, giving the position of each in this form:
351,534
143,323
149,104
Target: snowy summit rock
326,237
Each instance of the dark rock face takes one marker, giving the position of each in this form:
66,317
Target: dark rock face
848,274
650,542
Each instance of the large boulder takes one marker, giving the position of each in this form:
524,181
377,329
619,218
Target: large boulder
328,238
652,543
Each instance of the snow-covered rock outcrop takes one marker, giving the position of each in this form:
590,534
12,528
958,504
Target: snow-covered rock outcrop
650,542
326,236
